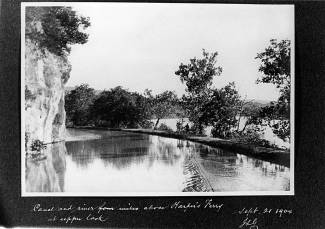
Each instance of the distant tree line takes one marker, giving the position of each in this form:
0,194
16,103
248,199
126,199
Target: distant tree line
119,108
203,104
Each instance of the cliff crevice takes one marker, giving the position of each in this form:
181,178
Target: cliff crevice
45,76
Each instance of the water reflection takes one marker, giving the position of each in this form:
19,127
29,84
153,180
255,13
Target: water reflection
47,175
116,150
129,162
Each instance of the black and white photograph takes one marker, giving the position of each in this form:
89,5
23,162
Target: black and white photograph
157,99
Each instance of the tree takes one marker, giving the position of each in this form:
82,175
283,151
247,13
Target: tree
198,76
77,104
251,111
275,66
199,73
141,118
221,110
119,108
59,28
163,105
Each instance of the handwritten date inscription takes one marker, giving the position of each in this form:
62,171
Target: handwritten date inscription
252,214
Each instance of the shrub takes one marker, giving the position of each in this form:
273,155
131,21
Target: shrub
180,125
28,94
251,137
146,124
164,127
37,145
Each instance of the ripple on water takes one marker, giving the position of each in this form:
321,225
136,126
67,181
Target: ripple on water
194,180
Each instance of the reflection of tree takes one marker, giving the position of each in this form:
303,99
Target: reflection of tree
118,150
81,152
267,168
204,151
164,151
122,162
124,149
281,168
180,143
47,175
258,163
188,144
210,152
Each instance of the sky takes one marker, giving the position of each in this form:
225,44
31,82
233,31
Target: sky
141,45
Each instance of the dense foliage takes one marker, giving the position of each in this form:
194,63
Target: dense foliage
206,105
199,73
197,76
120,108
37,145
162,105
275,66
222,110
77,105
58,28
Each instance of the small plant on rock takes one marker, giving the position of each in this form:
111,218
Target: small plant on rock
37,145
36,148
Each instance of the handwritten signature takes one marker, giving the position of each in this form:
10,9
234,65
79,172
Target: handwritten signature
249,223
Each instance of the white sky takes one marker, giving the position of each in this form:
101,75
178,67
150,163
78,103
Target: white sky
140,46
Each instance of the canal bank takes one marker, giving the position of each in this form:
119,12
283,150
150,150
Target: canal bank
278,156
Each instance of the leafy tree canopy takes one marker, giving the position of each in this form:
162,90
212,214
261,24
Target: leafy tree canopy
77,104
275,63
205,104
118,108
163,105
59,28
275,66
198,74
222,109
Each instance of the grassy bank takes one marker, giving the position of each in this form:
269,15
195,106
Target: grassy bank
275,155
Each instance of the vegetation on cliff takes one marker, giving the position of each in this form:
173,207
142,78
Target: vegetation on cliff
49,34
55,28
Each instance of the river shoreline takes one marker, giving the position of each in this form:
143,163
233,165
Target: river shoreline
278,156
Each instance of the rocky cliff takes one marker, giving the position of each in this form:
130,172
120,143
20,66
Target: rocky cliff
45,76
49,34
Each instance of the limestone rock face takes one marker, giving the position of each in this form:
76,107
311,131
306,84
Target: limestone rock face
45,76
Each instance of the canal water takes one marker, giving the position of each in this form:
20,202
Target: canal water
116,161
